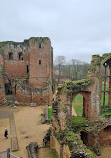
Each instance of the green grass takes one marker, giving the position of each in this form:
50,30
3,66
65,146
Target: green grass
49,113
103,87
79,110
78,99
106,96
106,99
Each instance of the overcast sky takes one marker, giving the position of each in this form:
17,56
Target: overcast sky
77,28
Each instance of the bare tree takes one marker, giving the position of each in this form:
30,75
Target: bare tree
60,61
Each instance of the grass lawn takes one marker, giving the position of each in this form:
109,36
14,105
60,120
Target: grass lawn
78,104
49,113
106,99
78,99
79,110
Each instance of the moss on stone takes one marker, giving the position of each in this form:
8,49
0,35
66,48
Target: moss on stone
68,86
1,51
83,82
75,145
26,41
42,39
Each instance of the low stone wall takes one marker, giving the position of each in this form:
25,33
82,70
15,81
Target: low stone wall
66,151
27,95
62,151
55,145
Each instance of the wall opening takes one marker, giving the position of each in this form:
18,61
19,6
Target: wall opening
40,45
84,137
39,62
20,56
10,56
107,129
77,104
105,86
27,68
8,89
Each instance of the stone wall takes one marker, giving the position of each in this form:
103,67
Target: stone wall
62,150
16,68
31,61
55,145
26,95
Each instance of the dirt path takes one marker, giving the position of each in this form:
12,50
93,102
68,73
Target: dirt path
47,153
28,128
74,112
106,152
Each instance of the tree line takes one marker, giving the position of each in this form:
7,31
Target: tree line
69,70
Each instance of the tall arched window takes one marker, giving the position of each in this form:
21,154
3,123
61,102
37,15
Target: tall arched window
10,56
20,56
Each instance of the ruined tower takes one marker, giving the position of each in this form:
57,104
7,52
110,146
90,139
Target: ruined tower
27,71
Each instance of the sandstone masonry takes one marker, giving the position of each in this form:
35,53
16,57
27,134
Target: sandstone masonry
26,71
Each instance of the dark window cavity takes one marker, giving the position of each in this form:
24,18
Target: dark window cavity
10,56
40,45
39,62
8,89
20,56
27,68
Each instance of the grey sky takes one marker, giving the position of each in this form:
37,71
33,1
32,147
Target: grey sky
77,28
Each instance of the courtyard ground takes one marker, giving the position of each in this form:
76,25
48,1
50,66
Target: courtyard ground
28,127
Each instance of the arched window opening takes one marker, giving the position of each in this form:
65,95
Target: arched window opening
10,56
77,105
20,56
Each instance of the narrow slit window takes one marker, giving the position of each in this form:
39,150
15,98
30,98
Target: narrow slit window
27,68
39,62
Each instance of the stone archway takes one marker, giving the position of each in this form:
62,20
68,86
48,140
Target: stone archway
86,102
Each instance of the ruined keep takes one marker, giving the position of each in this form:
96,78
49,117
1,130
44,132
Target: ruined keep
26,71
93,129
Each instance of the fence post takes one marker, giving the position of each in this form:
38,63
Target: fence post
8,152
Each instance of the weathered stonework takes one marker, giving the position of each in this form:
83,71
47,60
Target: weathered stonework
93,128
26,70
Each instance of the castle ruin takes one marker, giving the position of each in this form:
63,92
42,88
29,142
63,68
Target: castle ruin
26,71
